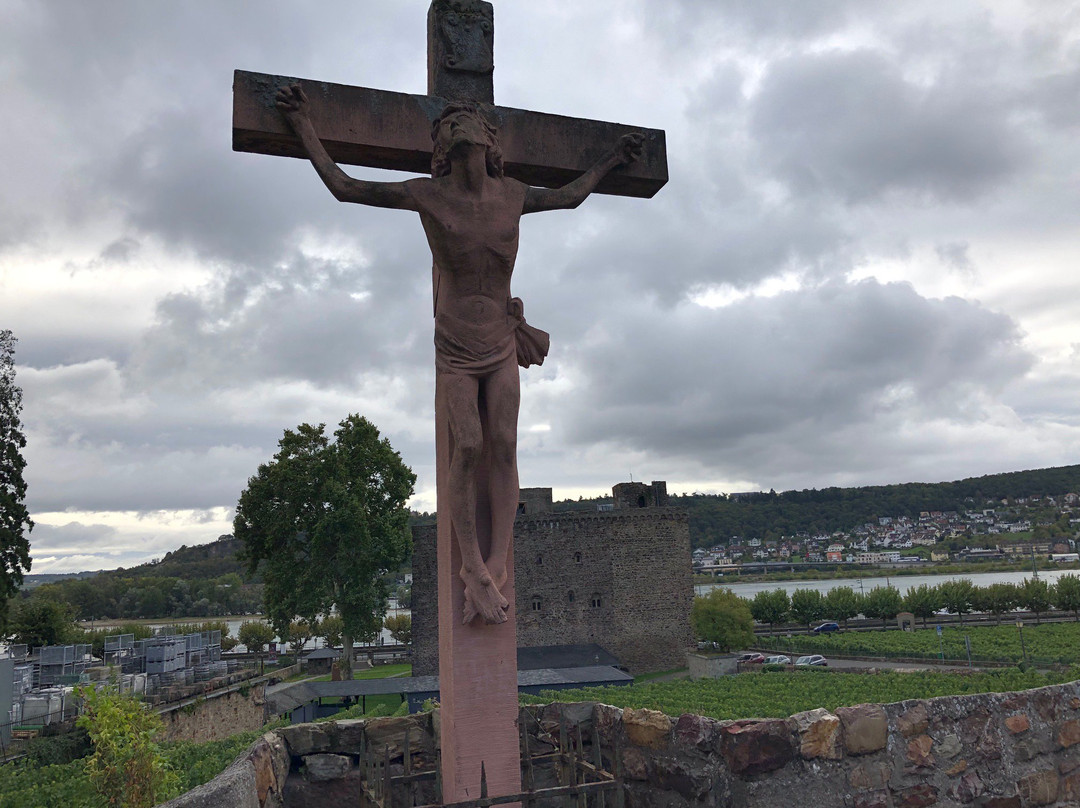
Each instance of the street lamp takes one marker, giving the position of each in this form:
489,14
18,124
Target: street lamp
1023,648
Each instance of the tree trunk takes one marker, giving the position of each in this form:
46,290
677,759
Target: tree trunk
346,655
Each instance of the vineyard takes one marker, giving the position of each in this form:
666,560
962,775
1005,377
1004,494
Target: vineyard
778,695
1047,644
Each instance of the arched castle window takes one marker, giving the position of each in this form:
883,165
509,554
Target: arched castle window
577,557
570,596
537,604
595,600
641,502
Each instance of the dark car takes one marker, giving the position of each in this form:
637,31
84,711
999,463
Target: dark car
827,628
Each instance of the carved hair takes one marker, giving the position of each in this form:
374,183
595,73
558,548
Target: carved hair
440,159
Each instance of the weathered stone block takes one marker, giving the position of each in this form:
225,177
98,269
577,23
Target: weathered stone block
918,796
957,768
270,762
1017,724
999,802
1069,734
350,736
323,768
875,799
919,751
870,775
819,734
751,747
684,777
950,746
866,728
1039,788
697,731
967,788
389,732
635,766
1070,789
306,739
913,722
648,728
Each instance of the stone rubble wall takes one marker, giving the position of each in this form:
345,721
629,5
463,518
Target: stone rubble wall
999,750
217,716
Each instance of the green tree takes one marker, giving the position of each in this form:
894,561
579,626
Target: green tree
127,768
330,628
1067,594
1034,595
39,621
400,627
807,606
15,522
842,603
958,596
300,633
255,636
922,601
997,599
324,522
723,618
770,607
882,603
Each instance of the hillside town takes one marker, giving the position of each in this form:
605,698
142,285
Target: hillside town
1045,527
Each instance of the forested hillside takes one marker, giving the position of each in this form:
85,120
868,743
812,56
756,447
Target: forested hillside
717,518
210,580
202,581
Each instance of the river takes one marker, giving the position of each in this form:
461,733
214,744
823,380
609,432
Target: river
901,582
233,624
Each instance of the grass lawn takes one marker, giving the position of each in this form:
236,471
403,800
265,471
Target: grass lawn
378,672
780,694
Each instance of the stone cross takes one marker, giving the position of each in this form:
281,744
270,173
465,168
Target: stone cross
381,129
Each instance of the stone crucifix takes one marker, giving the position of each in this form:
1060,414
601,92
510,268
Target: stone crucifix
488,165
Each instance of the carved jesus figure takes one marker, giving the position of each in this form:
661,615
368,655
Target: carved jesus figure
471,214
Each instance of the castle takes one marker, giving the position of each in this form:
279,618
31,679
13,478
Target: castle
618,577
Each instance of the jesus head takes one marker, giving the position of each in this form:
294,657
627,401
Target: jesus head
463,122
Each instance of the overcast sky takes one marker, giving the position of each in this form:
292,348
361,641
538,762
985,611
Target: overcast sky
862,271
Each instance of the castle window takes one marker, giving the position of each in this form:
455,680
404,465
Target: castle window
537,604
570,596
539,561
577,557
521,509
641,502
595,600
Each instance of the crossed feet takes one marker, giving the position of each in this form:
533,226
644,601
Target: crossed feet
482,596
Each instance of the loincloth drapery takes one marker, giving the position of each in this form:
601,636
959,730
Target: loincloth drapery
479,349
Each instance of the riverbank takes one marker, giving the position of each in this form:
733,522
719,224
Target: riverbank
856,571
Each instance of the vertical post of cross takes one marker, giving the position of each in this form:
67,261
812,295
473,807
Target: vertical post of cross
477,661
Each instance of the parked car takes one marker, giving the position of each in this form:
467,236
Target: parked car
814,660
751,659
827,628
779,659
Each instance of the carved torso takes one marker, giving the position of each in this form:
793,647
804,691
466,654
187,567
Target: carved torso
474,244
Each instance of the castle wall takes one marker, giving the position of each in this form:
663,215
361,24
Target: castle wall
620,579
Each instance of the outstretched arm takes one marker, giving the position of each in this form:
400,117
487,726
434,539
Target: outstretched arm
627,150
293,103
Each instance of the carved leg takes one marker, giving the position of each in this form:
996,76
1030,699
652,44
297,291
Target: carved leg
482,595
503,394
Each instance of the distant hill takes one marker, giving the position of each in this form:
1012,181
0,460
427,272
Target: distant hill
37,579
197,563
715,519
